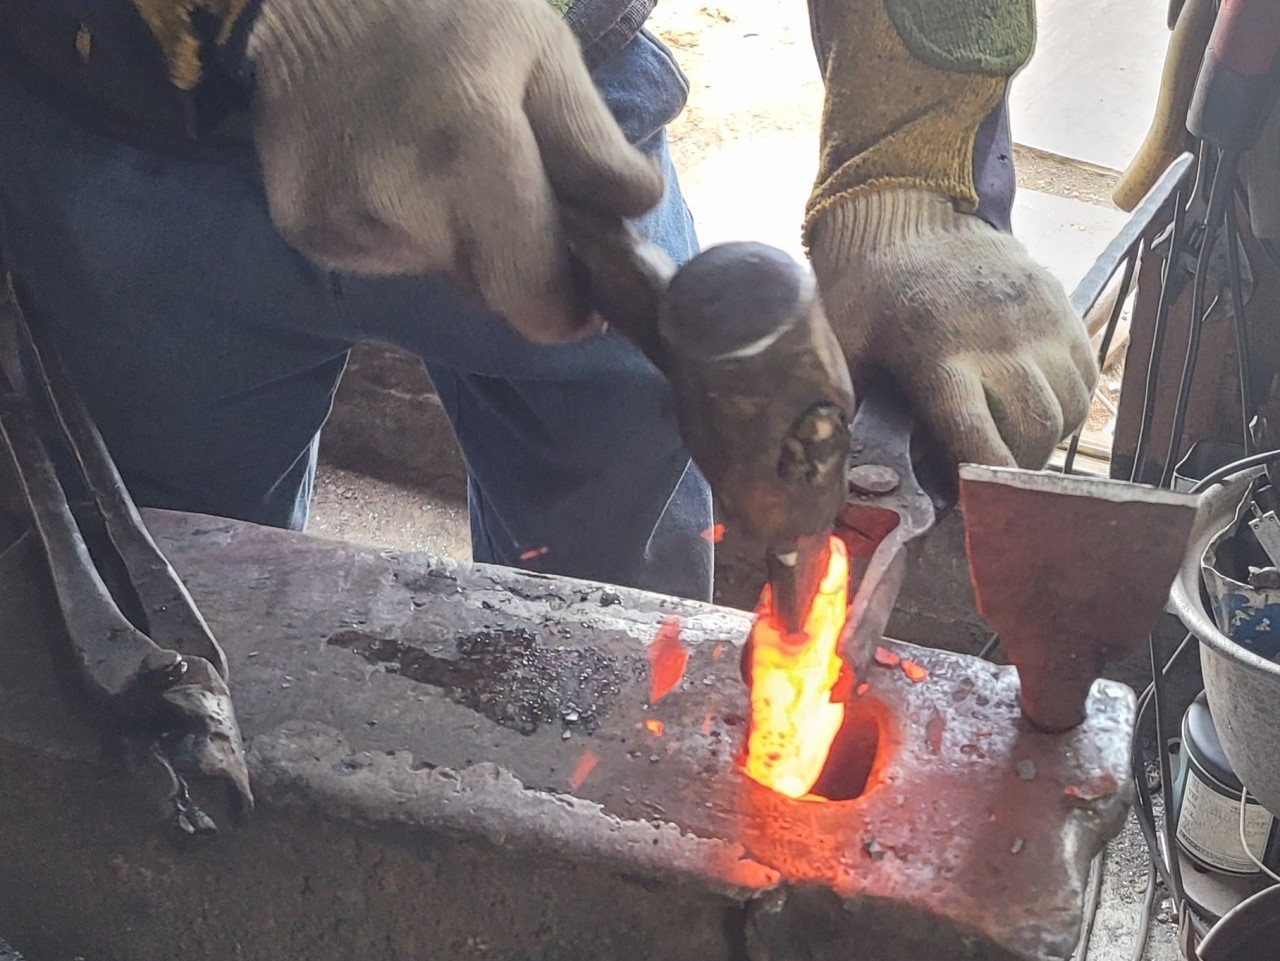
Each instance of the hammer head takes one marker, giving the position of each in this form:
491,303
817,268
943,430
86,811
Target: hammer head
1070,571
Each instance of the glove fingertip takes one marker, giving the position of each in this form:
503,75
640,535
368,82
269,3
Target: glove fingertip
546,317
623,182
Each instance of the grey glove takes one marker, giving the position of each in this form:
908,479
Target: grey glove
981,338
436,136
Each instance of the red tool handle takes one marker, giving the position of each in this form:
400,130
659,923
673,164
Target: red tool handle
1246,36
1237,84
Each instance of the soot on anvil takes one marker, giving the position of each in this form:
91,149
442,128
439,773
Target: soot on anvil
506,675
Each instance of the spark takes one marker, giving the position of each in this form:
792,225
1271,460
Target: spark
915,673
582,770
886,658
667,660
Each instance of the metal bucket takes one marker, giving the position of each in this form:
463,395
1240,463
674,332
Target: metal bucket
1243,688
1248,932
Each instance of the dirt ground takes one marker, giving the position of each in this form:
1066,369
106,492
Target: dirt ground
353,507
751,70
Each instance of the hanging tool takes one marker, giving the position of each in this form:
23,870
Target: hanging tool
1234,94
142,651
1218,84
1168,134
1236,86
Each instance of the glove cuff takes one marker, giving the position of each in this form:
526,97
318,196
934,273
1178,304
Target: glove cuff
883,218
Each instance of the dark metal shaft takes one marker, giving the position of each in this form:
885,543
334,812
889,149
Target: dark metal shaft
795,577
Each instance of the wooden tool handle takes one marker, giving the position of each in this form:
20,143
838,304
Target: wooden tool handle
1168,134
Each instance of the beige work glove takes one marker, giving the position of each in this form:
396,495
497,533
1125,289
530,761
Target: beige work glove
436,136
982,339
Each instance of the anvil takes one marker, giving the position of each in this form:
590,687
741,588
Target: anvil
461,762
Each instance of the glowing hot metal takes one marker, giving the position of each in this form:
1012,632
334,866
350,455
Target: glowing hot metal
793,718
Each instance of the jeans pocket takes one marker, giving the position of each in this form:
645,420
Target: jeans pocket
643,86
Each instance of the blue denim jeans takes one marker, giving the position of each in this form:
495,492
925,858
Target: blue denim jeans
208,350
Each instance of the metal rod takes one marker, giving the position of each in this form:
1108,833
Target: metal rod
1158,327
1219,197
1241,325
1166,773
1095,281
1113,321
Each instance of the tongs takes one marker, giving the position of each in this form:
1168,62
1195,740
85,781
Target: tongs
898,491
141,649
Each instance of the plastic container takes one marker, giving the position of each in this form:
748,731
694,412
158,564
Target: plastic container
1207,803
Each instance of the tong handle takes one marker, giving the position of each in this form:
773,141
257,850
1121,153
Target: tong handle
171,617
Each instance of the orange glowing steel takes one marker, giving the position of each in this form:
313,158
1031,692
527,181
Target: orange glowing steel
654,727
793,719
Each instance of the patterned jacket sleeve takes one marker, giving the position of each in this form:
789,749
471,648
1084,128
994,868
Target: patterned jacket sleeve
184,28
908,82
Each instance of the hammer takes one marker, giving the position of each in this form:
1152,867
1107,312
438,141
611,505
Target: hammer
763,394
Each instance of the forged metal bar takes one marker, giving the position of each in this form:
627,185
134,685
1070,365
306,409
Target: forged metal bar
1125,249
1126,242
887,513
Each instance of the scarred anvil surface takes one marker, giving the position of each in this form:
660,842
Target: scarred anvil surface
422,723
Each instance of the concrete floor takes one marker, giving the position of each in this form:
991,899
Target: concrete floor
351,507
1090,90
745,148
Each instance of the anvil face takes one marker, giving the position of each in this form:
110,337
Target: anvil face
440,706
964,831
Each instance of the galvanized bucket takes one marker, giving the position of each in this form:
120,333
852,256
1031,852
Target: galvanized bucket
1248,932
1243,688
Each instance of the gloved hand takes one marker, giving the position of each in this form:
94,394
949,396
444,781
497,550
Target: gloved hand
983,340
417,136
